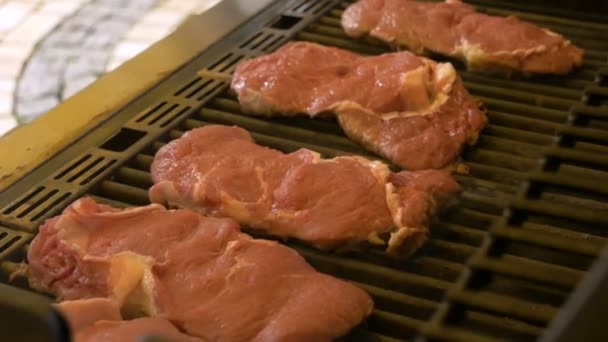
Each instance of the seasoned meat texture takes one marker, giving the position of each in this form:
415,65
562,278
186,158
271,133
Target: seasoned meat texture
408,109
98,319
132,331
344,202
500,45
200,273
82,313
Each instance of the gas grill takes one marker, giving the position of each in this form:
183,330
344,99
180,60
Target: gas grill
519,258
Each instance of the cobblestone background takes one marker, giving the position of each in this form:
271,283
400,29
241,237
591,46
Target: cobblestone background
51,49
75,54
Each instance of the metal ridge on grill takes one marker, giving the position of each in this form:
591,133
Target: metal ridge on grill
533,213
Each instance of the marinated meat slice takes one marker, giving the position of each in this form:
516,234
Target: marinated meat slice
200,273
82,313
408,109
132,331
500,45
344,202
98,319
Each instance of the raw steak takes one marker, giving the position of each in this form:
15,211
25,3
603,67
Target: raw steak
344,202
98,319
200,273
486,43
408,109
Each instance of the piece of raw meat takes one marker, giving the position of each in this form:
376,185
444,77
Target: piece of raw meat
344,202
411,110
500,45
82,313
200,273
99,319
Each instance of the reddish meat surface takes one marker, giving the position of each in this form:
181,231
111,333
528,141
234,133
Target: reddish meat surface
200,273
408,109
98,319
343,202
486,43
82,313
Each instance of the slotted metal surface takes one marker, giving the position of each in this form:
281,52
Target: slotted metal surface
532,217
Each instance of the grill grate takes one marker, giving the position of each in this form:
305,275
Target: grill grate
533,214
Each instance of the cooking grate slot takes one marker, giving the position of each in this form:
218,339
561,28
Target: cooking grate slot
551,237
177,114
589,216
11,241
199,86
306,5
498,327
510,126
520,288
273,44
86,167
148,112
124,193
27,198
509,146
45,210
227,104
71,168
228,62
578,197
286,22
122,140
521,310
539,256
400,303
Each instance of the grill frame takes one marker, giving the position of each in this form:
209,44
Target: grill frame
98,162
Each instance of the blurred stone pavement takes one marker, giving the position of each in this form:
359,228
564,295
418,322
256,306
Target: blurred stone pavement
51,49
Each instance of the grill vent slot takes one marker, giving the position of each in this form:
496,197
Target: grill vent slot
204,86
198,88
98,172
37,204
125,138
6,243
27,198
286,22
175,116
211,91
225,62
306,6
162,114
273,44
81,169
187,86
151,111
323,7
72,167
47,209
250,40
11,241
256,44
264,41
44,201
596,95
602,78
